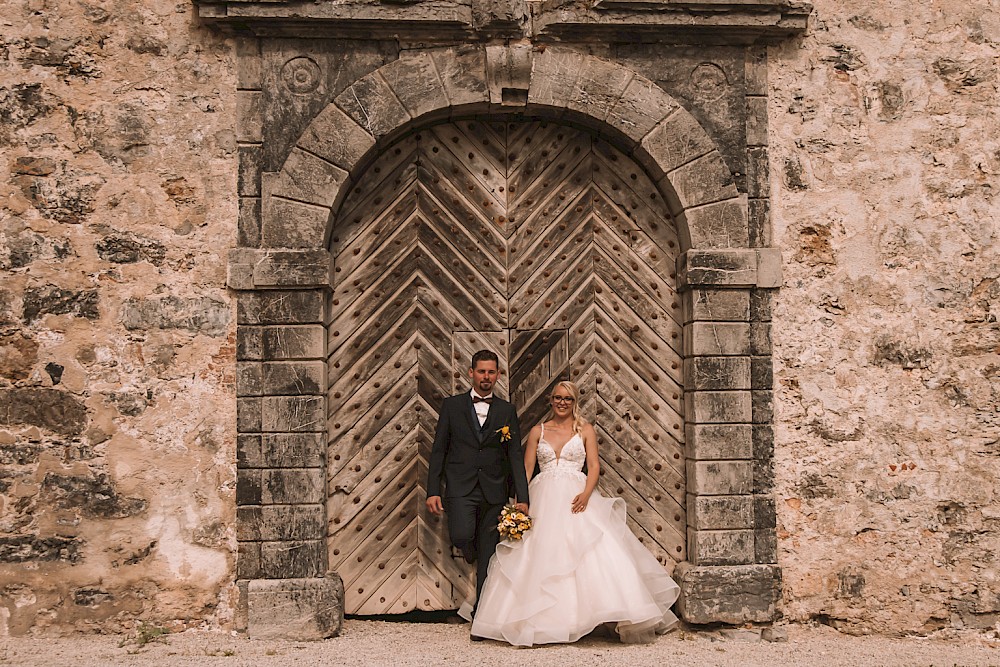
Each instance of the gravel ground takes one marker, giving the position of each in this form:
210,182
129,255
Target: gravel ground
424,644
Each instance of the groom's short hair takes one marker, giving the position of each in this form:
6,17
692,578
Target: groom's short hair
485,355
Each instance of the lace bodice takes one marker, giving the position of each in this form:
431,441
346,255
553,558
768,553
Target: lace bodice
571,458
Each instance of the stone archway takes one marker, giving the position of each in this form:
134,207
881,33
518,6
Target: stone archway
298,202
729,574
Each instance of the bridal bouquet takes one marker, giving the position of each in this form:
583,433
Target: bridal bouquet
513,523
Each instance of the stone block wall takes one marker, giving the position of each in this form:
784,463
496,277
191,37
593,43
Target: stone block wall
884,164
117,334
120,389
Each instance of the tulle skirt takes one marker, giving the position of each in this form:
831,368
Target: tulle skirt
573,572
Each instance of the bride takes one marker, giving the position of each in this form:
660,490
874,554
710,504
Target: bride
579,566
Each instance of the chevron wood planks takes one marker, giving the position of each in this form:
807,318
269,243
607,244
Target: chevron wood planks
541,242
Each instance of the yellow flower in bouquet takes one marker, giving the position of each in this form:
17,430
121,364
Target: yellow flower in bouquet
513,523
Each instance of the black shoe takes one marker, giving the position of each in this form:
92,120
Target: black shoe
477,638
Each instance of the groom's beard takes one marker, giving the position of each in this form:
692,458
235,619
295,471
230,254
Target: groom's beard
485,387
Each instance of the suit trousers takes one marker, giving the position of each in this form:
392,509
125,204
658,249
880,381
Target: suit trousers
472,525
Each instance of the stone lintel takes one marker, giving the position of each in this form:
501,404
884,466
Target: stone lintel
707,21
251,268
295,609
749,267
306,18
734,594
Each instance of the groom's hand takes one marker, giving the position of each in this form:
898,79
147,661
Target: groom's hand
434,505
522,507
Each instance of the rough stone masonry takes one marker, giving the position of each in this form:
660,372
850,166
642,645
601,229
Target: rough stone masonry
119,203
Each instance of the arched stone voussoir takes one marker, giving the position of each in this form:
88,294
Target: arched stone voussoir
463,74
704,180
639,109
414,81
564,84
286,223
599,86
677,140
305,177
553,77
372,104
337,138
295,202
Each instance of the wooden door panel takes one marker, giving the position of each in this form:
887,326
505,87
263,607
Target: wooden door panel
538,359
532,239
449,201
352,543
628,313
379,248
364,211
473,150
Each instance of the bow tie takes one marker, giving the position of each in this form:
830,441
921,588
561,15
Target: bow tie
482,399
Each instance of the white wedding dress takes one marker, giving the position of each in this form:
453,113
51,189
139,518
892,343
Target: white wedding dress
573,572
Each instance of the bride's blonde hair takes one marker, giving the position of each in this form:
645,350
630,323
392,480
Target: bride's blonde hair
570,387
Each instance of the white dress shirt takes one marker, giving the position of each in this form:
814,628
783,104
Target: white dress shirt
482,408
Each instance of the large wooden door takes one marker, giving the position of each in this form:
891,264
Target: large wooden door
542,242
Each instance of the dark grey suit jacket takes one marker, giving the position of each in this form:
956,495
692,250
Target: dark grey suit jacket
464,454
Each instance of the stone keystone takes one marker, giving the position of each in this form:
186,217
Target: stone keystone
508,73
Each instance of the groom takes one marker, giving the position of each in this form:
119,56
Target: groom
477,453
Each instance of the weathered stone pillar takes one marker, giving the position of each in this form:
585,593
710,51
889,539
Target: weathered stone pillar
281,408
730,575
281,419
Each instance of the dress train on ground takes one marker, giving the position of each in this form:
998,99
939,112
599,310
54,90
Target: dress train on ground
573,572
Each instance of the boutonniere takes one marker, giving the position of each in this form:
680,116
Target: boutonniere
504,433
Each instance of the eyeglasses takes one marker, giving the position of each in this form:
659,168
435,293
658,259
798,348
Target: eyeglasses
563,399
